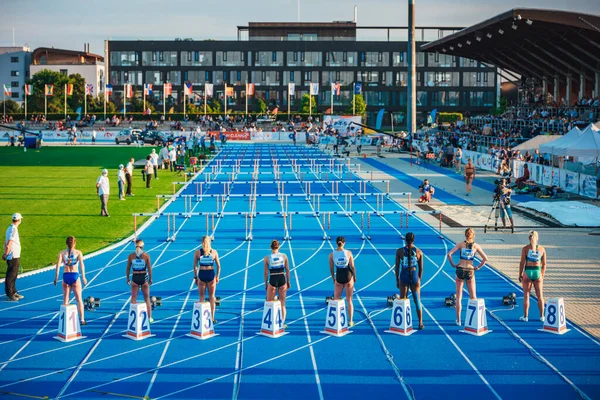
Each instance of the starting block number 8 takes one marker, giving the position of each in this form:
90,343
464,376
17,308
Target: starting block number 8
556,320
401,322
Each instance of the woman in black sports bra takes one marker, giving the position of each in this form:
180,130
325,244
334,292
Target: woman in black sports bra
277,276
344,276
205,277
141,278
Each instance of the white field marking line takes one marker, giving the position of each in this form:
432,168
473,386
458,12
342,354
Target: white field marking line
99,340
531,349
386,352
238,357
27,344
312,352
164,353
254,365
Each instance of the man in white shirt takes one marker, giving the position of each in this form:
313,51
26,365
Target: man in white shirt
12,256
122,181
163,156
128,175
172,158
93,136
103,188
154,159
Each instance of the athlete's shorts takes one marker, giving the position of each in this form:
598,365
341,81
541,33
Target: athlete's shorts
206,275
464,274
343,275
70,278
534,273
277,280
139,279
506,211
409,276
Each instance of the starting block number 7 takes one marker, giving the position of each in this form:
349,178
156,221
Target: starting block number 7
476,321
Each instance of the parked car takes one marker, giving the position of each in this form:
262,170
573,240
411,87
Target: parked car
153,137
128,135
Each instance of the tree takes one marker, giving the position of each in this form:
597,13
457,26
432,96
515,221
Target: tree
35,102
360,108
12,107
261,106
305,104
215,105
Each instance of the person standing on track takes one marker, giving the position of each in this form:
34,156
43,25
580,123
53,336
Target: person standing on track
458,159
12,256
344,276
469,175
531,272
411,260
277,276
139,261
205,260
71,259
465,271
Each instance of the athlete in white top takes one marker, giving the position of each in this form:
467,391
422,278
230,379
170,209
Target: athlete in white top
71,259
277,275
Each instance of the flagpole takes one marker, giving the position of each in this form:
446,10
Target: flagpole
225,100
125,101
85,100
25,107
105,101
65,101
289,99
164,102
332,100
46,105
246,101
205,99
144,110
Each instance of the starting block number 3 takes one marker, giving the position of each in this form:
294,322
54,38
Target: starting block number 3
202,324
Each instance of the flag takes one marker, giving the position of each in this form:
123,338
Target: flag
336,88
7,91
28,90
168,89
250,89
128,90
208,89
291,88
229,91
187,88
314,89
49,90
147,89
69,89
357,88
108,89
89,89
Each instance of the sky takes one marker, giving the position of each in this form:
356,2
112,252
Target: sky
68,24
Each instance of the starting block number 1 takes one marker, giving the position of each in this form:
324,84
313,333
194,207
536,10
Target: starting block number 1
69,328
476,319
555,318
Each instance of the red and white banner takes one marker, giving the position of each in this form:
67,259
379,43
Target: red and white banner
232,135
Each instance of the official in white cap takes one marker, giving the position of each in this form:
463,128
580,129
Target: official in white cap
12,256
102,188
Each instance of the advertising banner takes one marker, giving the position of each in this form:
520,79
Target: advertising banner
342,123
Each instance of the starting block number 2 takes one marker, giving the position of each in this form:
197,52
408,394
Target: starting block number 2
138,325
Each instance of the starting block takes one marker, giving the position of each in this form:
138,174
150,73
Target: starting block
555,319
476,319
138,325
272,322
401,322
202,321
336,322
69,328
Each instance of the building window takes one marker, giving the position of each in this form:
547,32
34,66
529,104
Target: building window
292,76
64,72
189,56
239,74
295,56
225,76
153,56
224,56
274,56
303,57
161,56
264,75
185,75
14,95
345,56
243,56
207,76
308,75
14,59
380,57
14,84
197,56
14,73
277,76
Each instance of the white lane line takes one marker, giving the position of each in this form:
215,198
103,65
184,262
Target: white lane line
238,357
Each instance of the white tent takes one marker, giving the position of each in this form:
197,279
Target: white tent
587,145
558,146
536,141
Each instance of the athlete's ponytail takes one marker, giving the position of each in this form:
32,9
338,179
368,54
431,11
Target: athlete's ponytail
533,238
410,239
206,247
340,240
71,242
275,244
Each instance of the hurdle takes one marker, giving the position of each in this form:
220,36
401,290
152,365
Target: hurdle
326,223
171,228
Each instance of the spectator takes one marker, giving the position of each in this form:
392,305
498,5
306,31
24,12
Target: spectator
154,159
93,136
163,157
129,175
520,182
12,256
149,170
102,189
121,180
172,157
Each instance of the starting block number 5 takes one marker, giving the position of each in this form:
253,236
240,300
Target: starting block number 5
336,321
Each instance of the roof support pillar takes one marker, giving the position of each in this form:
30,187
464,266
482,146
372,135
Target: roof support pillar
556,92
568,91
545,88
581,85
597,84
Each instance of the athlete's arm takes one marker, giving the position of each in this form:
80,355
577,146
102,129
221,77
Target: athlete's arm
543,262
421,262
483,257
195,266
57,268
80,258
449,255
397,264
351,264
266,271
331,266
127,269
218,262
522,263
149,269
287,271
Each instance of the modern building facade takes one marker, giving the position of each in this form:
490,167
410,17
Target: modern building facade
14,70
89,66
275,54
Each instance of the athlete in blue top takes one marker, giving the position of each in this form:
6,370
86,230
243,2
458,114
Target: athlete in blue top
139,262
411,260
465,269
344,276
205,277
71,259
532,269
277,275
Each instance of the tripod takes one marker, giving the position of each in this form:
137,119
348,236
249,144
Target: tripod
497,205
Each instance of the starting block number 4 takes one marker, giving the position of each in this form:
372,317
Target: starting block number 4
69,328
401,322
476,319
555,320
336,321
138,325
272,322
202,321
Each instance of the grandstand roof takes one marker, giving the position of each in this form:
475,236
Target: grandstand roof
531,42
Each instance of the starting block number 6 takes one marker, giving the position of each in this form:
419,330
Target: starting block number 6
401,322
398,316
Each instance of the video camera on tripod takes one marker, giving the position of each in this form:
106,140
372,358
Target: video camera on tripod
501,204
